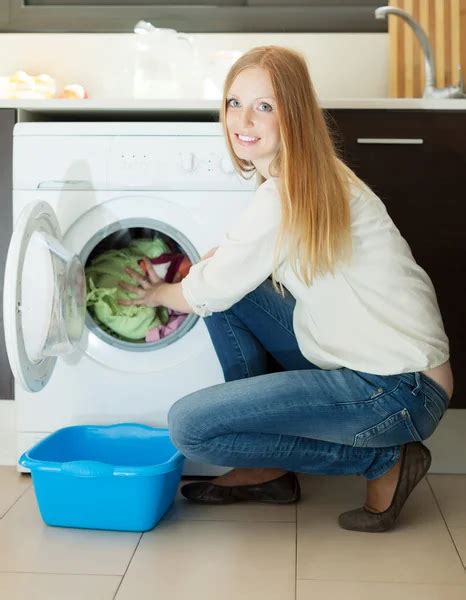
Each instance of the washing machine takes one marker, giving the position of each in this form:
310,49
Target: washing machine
79,187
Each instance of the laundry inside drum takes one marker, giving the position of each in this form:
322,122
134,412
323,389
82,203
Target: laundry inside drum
105,268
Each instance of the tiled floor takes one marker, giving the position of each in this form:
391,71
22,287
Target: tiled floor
242,551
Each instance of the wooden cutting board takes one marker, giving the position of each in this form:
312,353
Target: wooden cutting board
444,21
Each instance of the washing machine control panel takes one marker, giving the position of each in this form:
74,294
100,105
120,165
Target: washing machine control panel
126,162
189,163
181,162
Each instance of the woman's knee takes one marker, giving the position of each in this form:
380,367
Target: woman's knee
185,419
178,418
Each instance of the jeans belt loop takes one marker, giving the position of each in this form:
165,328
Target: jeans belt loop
417,377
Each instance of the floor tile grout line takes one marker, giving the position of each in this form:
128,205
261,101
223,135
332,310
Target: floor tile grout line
127,567
60,573
427,583
445,521
16,501
255,521
229,521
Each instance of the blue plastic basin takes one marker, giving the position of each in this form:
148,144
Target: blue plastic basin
121,477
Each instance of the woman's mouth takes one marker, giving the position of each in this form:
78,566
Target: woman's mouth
246,140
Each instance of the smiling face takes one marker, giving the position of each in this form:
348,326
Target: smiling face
251,118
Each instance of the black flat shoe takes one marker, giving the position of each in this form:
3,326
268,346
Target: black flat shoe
282,490
415,463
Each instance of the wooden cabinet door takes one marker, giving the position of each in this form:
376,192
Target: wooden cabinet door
7,121
421,178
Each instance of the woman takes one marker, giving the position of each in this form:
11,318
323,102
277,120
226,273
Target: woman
350,318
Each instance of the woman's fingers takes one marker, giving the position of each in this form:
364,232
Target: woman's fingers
151,274
144,287
139,278
130,288
136,302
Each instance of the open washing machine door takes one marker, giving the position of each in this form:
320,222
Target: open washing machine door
44,303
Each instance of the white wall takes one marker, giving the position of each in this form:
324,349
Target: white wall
341,64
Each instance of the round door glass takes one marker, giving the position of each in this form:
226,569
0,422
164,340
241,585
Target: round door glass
53,300
138,327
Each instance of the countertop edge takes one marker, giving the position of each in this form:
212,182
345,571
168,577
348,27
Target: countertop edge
123,105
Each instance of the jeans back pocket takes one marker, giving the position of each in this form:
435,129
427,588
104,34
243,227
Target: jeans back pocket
395,430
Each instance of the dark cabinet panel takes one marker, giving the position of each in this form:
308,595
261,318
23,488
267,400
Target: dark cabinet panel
193,16
7,121
423,185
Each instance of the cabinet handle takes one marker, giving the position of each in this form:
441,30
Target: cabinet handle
390,141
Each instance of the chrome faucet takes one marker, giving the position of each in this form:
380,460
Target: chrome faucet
430,89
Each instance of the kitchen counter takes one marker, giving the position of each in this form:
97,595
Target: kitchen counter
123,105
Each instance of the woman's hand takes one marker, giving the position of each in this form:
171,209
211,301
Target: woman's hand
148,286
146,289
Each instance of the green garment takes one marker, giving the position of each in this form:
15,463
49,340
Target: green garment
102,276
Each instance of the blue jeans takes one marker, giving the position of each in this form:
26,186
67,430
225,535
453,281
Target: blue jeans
300,418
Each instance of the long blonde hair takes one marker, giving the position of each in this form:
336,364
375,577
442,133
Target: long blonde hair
313,181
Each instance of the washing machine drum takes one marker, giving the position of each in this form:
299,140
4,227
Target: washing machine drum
105,269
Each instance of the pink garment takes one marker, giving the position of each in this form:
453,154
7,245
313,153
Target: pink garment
174,321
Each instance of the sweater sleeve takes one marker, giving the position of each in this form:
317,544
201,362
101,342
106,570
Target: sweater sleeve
242,261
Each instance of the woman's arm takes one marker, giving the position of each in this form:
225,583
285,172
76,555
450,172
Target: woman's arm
243,260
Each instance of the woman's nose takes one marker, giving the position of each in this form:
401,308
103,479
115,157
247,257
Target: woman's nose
246,118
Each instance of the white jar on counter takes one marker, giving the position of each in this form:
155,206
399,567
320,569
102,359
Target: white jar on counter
166,64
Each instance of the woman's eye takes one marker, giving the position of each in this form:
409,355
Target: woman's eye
229,102
267,108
